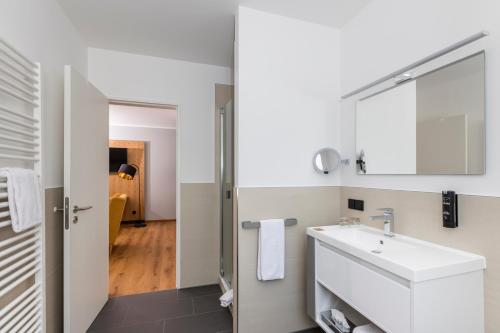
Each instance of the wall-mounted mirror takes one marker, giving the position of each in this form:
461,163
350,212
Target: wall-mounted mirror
433,124
327,160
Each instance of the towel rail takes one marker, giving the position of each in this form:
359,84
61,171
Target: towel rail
27,84
18,96
28,151
17,53
29,258
19,254
18,246
33,298
7,281
17,238
22,281
18,114
31,324
31,310
20,132
33,290
17,157
25,142
18,71
29,68
26,91
35,328
18,281
18,123
20,149
256,225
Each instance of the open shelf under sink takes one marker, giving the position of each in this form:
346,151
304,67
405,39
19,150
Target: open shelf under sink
326,317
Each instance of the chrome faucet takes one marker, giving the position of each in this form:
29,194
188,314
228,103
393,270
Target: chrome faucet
388,219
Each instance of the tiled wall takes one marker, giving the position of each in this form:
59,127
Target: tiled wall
199,245
199,235
418,214
53,263
54,259
279,306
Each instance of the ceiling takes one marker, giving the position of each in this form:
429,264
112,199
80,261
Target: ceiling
136,116
191,30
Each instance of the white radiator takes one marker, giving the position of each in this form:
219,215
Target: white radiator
22,281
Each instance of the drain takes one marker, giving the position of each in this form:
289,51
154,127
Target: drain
379,250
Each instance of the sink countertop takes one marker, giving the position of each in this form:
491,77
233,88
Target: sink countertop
410,258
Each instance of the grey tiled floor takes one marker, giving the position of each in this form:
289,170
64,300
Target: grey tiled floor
173,311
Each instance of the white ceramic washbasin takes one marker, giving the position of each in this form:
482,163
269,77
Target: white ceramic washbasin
409,258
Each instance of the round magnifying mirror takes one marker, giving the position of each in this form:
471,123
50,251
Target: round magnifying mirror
326,161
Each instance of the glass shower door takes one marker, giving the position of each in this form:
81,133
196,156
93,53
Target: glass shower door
227,183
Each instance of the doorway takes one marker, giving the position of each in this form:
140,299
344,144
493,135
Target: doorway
143,197
225,167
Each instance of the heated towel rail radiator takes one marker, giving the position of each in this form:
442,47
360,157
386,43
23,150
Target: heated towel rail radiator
22,291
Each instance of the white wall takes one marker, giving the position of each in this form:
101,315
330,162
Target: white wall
41,31
390,34
190,86
126,115
160,162
287,99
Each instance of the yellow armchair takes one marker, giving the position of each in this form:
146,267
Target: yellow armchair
116,208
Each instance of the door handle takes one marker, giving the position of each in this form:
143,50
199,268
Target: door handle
76,209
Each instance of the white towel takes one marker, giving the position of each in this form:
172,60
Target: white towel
271,253
370,328
24,196
338,318
226,299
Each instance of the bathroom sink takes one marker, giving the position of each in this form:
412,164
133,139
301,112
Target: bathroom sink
410,258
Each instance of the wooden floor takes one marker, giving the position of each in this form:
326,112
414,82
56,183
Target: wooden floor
143,259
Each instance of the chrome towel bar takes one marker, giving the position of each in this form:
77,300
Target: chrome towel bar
256,225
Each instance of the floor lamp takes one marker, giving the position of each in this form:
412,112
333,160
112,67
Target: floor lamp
127,172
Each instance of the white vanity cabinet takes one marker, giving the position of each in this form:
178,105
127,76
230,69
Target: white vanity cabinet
384,289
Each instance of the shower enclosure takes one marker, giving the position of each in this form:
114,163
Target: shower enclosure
226,191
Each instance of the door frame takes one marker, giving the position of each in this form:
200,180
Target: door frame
165,105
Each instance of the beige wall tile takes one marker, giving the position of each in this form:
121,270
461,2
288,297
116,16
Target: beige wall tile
54,301
279,306
418,214
199,234
53,230
54,259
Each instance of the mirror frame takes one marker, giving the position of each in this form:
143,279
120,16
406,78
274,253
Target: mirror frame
331,171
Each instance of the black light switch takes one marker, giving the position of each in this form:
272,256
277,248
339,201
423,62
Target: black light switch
450,209
356,204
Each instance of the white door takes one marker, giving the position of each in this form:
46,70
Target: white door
86,201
